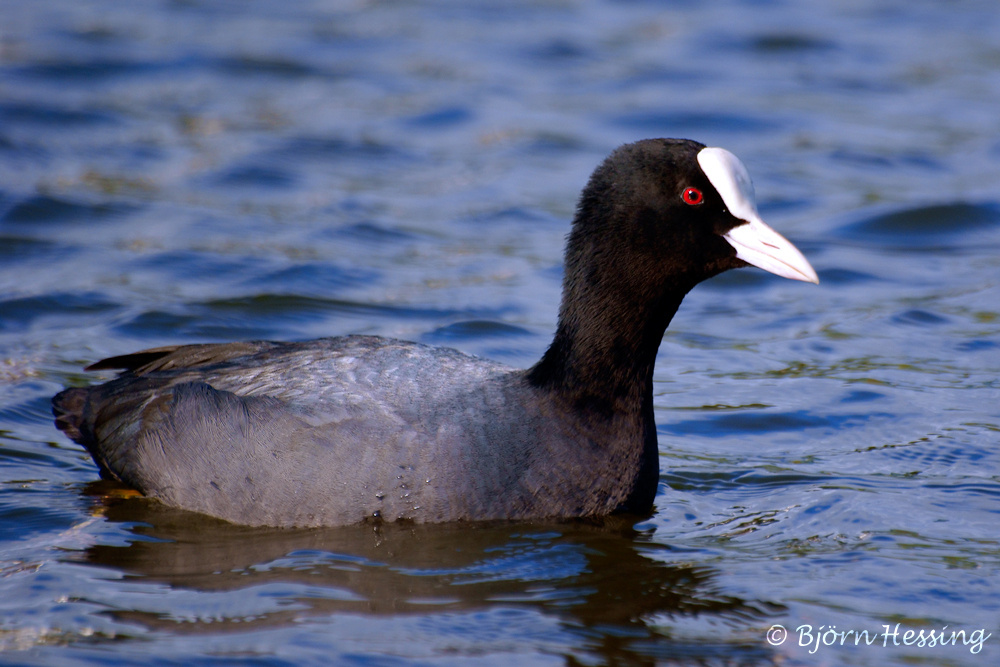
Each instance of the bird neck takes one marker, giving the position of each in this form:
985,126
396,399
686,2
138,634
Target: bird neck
602,356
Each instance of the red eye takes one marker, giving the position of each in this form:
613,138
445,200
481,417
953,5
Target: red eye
693,196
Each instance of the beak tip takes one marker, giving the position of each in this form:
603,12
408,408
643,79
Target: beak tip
806,273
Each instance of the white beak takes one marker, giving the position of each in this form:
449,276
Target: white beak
758,244
755,242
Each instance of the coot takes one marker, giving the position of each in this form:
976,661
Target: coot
343,430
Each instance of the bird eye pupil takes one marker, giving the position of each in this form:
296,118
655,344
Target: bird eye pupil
692,196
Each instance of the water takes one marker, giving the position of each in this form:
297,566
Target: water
187,171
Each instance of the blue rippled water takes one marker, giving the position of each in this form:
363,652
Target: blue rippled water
830,456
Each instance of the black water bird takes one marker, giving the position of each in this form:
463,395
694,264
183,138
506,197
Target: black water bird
339,430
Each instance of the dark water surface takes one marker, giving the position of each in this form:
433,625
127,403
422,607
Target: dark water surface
204,171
